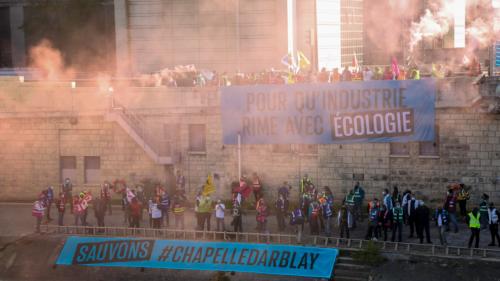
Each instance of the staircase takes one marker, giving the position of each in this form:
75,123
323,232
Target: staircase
136,127
347,269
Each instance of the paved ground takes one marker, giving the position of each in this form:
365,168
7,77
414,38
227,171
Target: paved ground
16,221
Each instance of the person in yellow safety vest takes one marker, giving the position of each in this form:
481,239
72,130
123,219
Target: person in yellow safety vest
475,226
178,207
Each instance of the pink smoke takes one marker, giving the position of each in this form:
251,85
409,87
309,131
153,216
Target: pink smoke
49,62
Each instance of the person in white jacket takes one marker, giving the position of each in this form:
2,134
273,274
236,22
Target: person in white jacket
37,211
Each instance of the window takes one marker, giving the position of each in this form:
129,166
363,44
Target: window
5,38
282,148
197,138
67,168
92,169
308,148
399,148
430,148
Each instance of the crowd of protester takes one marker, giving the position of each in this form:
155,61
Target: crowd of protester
189,76
315,208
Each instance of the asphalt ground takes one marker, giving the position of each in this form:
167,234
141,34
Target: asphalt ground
16,221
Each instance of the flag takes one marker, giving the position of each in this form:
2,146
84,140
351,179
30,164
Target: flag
303,61
244,189
355,62
209,186
465,60
395,67
289,61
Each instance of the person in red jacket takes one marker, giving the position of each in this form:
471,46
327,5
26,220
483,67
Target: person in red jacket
135,212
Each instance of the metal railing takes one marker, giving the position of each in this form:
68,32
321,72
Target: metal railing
140,127
278,238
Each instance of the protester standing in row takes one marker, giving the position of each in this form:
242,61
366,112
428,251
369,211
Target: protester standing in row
385,219
344,218
220,209
493,222
473,220
155,212
237,222
483,210
411,206
281,211
178,206
450,205
262,213
61,209
462,197
165,208
297,222
441,218
313,215
397,221
422,216
135,212
205,211
256,187
106,196
37,212
67,188
359,197
99,211
180,183
326,202
373,215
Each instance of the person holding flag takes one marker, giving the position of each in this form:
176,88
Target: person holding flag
395,68
205,203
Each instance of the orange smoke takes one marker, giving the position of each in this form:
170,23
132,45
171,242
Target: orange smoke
49,62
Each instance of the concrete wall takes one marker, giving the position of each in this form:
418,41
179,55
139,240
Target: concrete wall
224,35
35,130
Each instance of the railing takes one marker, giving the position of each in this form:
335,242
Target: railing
140,127
277,238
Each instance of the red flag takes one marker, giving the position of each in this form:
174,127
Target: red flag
395,67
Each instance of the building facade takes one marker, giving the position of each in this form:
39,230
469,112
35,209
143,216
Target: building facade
49,131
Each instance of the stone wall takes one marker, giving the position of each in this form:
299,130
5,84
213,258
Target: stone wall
30,149
33,136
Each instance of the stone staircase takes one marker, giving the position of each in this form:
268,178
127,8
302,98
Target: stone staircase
135,126
348,269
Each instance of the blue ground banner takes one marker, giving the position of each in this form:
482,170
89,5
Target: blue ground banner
195,255
347,112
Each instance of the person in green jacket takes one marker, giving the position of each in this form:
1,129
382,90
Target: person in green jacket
397,221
